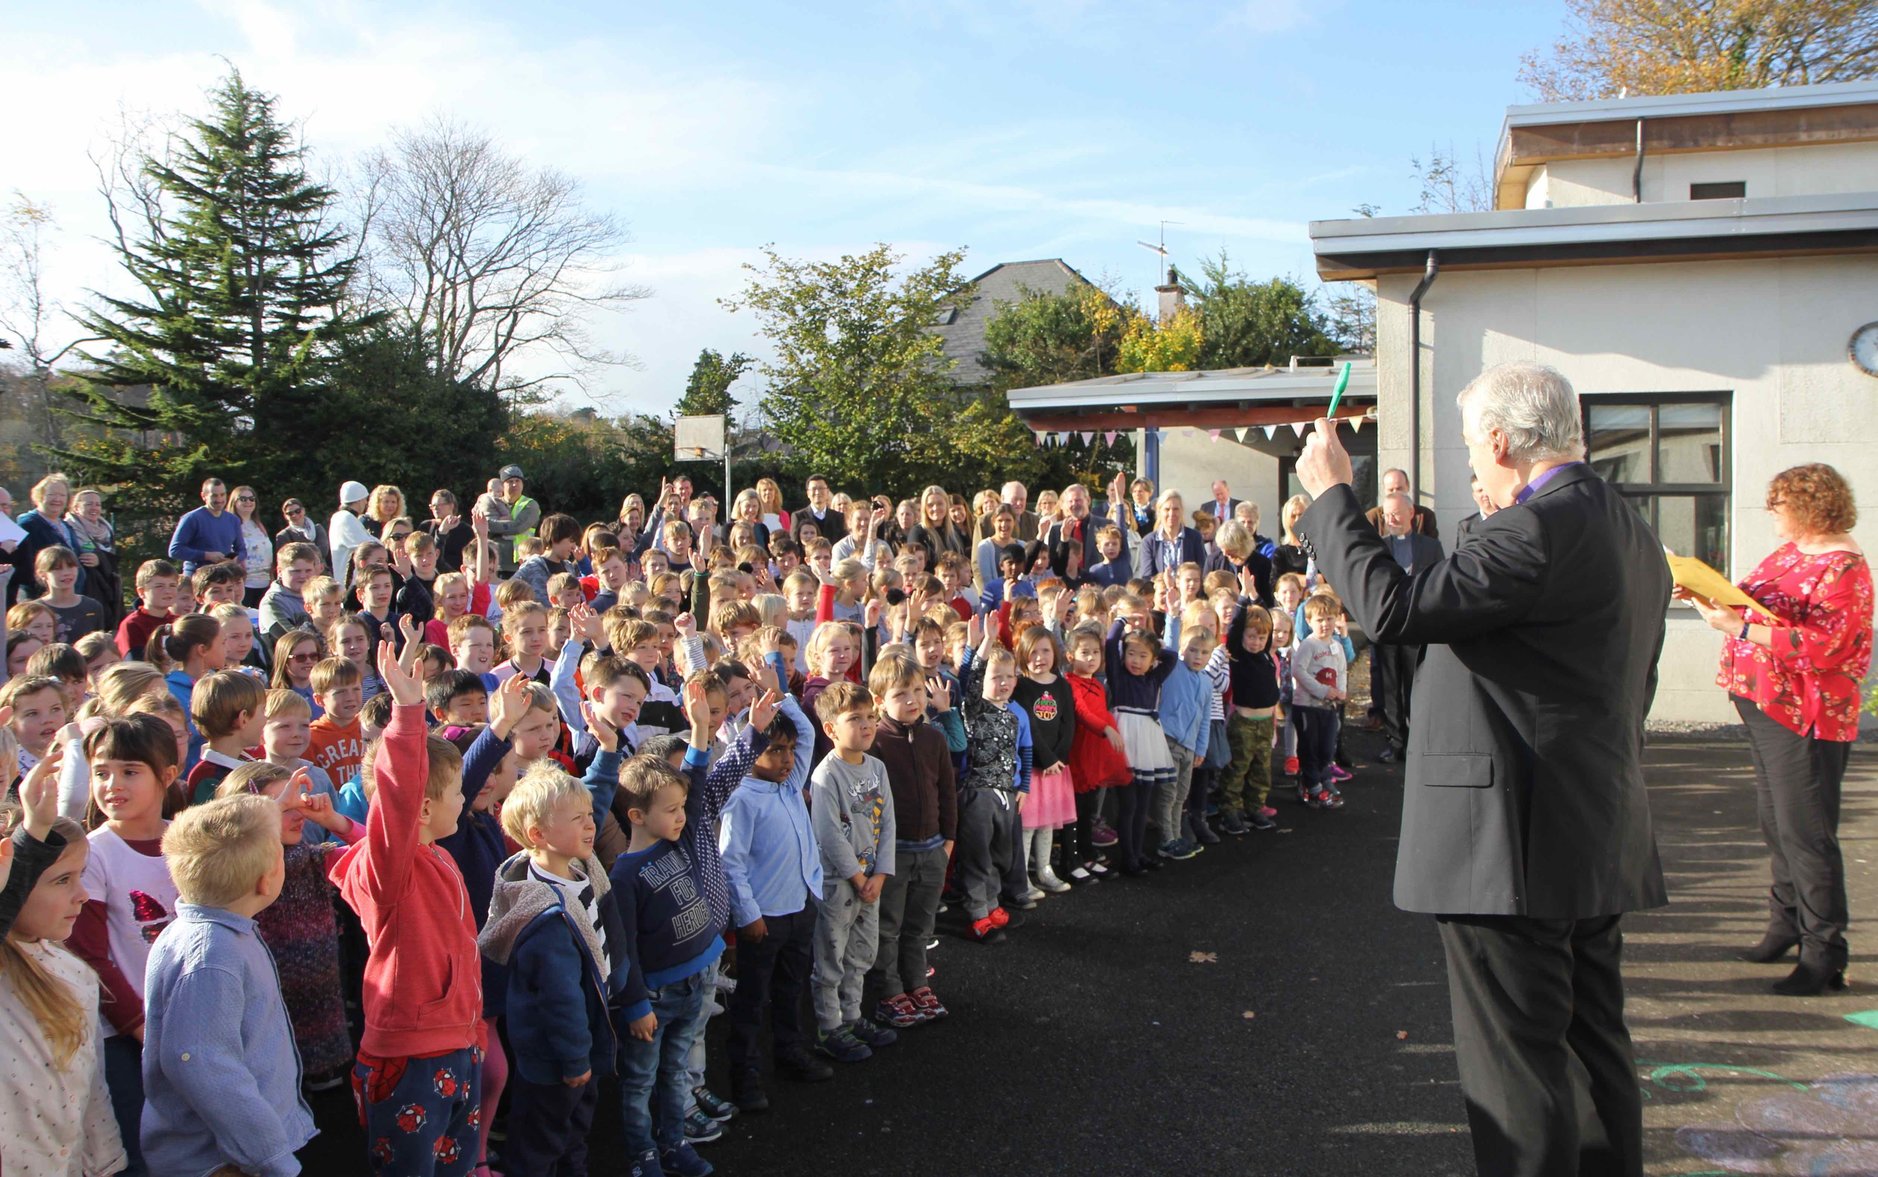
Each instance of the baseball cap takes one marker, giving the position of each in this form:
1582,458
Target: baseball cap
352,492
510,472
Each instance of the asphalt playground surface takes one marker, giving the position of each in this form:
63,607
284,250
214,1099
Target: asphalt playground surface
1264,1009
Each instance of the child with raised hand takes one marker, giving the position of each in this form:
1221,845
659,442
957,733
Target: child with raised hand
230,710
851,803
675,903
32,845
1051,710
925,807
993,790
1097,757
1320,683
57,1117
1137,666
491,765
220,1069
419,1069
774,869
130,895
300,927
555,930
1255,692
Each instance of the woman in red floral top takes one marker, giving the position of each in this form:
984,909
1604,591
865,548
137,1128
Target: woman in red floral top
1795,679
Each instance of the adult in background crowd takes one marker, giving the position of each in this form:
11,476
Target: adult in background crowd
1795,680
45,527
1138,504
1483,507
936,531
1171,543
1239,555
210,533
1396,482
523,515
1288,553
1222,504
1394,663
450,529
820,513
347,530
769,493
1016,496
1525,822
257,547
97,554
302,528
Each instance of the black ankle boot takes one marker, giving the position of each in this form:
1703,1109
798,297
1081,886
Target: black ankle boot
1810,978
1772,947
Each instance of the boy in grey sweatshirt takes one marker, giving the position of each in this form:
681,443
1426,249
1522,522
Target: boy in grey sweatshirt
851,806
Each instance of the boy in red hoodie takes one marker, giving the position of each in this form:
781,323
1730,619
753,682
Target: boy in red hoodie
418,1079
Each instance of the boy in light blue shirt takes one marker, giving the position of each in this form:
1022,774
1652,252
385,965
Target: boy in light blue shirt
221,1074
775,870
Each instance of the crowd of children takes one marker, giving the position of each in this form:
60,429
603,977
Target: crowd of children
471,843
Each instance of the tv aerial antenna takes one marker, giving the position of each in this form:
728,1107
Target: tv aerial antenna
1160,251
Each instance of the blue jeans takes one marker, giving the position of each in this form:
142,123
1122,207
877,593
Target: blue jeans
654,1075
123,1076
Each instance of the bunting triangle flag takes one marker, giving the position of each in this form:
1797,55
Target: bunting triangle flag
1063,437
1356,424
1297,427
1040,435
1270,432
1245,431
1088,436
1108,436
1213,433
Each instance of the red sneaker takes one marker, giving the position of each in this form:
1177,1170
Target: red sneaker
984,931
927,1003
1291,766
999,917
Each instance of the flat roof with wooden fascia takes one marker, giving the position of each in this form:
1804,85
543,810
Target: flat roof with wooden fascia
1224,398
1774,226
1731,120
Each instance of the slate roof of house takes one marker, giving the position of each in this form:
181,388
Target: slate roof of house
963,327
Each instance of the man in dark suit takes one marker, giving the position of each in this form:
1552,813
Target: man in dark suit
1393,664
1525,824
820,513
1222,504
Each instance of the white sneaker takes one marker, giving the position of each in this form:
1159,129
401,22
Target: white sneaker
1034,894
1049,882
726,985
1081,874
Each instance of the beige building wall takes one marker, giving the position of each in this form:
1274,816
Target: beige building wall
1772,333
1773,171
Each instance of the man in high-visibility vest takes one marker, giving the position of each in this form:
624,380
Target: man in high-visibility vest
524,514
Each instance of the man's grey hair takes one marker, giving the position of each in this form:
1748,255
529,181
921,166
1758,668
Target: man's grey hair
1533,405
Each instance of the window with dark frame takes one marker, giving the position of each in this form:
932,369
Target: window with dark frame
1719,190
1668,454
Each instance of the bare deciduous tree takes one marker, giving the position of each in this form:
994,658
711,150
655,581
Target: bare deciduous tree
29,316
491,258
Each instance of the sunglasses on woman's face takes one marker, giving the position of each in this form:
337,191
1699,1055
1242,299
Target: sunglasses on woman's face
244,498
303,657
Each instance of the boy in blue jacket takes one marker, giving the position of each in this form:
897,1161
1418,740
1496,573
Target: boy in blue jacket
1186,717
674,902
553,923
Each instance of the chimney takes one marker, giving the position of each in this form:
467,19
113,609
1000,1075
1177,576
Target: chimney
1173,298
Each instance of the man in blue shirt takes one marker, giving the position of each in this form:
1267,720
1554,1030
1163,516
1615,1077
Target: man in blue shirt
209,534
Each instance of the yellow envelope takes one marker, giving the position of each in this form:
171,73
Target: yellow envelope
1698,578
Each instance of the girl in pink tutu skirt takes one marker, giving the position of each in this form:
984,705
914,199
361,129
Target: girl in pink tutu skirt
1043,693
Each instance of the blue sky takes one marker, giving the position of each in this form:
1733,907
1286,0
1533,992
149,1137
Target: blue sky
1017,129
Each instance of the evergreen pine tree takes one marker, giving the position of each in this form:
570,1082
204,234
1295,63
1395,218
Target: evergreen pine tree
214,366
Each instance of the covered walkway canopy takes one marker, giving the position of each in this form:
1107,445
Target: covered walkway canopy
1229,398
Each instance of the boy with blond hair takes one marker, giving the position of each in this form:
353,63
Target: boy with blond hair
851,803
221,1074
554,925
418,1080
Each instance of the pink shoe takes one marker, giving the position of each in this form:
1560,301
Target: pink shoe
1338,773
1267,811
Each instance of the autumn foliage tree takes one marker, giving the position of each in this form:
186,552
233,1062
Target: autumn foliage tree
1684,46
